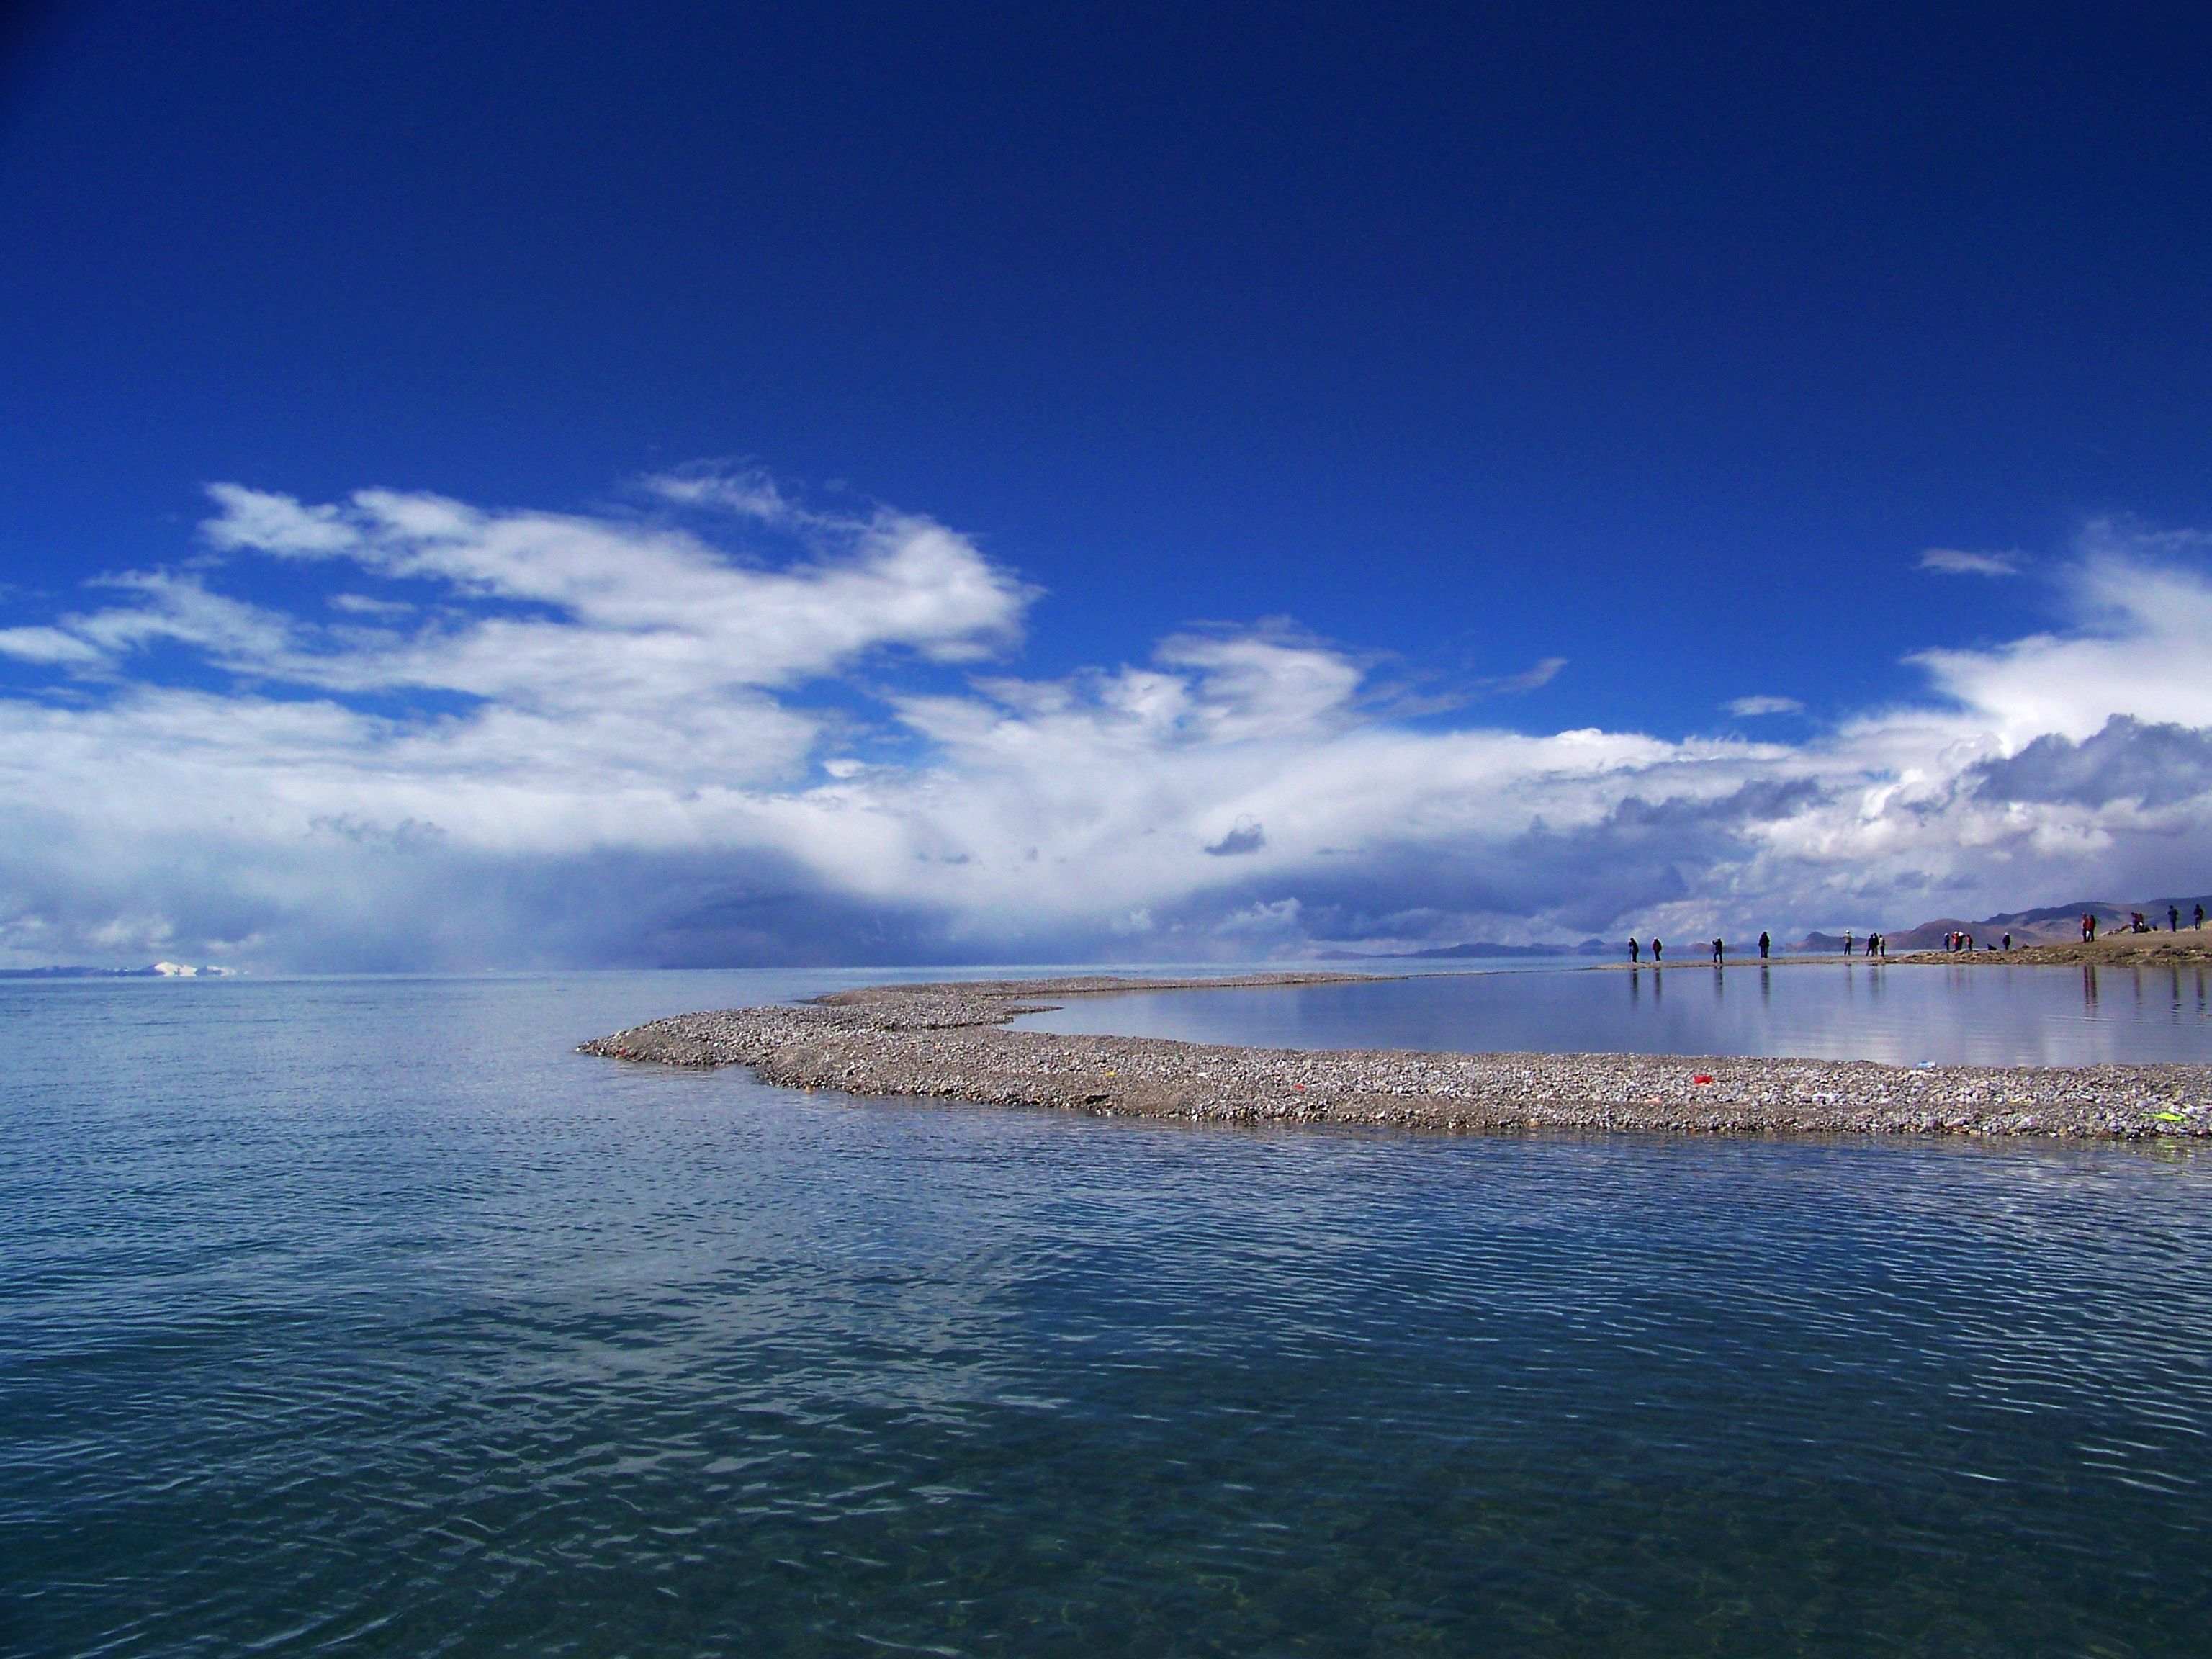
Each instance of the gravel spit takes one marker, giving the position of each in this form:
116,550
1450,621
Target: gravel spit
948,1041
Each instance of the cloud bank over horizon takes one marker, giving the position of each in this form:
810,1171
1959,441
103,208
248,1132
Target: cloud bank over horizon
403,732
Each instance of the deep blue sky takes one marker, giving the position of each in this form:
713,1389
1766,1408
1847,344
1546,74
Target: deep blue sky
1661,340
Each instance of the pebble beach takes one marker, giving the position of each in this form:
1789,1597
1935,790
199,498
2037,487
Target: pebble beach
949,1040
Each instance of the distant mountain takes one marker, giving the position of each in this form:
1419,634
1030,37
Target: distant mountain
2053,924
158,970
1477,949
76,973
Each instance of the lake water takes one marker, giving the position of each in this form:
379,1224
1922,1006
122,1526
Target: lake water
1904,1013
363,1317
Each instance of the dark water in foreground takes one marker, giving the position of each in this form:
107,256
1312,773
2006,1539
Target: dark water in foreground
362,1318
1903,1014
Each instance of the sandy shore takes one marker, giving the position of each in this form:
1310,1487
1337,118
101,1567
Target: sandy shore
948,1041
2188,948
2182,950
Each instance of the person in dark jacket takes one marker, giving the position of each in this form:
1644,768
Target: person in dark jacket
1763,943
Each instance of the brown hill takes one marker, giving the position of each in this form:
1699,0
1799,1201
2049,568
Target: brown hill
2053,925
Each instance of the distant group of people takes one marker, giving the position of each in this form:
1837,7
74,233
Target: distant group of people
1877,944
1720,948
2138,922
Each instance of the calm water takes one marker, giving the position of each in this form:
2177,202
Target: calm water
362,1318
1902,1014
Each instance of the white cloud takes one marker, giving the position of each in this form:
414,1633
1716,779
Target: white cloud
47,645
1748,707
276,524
562,737
1955,561
1530,679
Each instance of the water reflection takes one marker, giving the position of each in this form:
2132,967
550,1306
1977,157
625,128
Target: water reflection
2011,1015
340,1317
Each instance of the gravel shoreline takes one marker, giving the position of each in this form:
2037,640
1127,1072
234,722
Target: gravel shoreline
948,1041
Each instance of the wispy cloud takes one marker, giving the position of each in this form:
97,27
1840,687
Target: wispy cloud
1541,674
1750,708
1956,562
513,736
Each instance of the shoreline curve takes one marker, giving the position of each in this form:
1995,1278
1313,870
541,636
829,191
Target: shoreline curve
948,1041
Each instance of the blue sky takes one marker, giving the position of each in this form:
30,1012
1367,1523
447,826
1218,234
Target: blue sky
1478,472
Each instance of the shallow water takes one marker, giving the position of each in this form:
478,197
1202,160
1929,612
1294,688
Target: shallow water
363,1317
1903,1014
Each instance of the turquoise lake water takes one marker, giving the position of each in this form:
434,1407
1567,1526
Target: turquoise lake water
363,1317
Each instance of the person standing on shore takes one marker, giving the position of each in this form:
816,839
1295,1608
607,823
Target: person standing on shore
1632,951
2200,918
1658,944
1716,953
2008,941
1763,942
2172,918
1847,941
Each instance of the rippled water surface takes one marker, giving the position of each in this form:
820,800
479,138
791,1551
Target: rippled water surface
364,1318
1902,1013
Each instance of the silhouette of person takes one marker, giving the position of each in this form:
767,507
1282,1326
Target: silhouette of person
1847,941
1763,942
1716,953
1658,945
2172,918
2008,941
2200,916
1632,956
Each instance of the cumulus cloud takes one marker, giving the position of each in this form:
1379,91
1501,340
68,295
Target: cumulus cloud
505,736
2155,765
1957,562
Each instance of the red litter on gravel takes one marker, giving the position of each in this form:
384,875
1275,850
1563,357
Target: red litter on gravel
1703,1077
